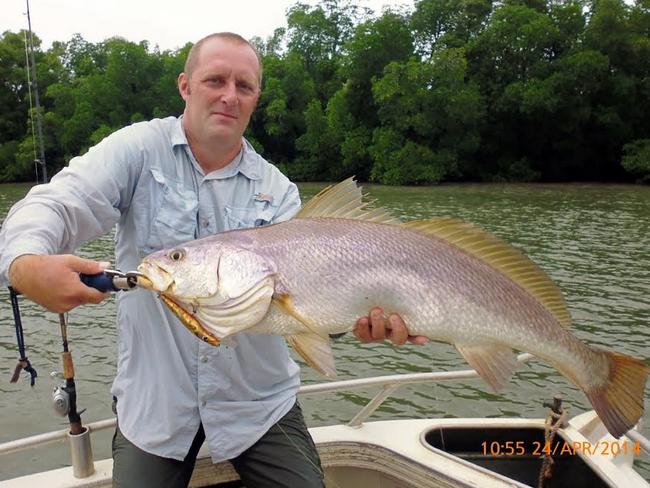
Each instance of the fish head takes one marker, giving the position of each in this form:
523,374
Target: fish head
219,287
184,272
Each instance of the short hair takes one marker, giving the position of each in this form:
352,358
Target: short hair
193,55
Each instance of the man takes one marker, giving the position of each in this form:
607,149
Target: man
164,182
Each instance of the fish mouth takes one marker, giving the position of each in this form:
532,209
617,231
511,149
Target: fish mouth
143,282
153,277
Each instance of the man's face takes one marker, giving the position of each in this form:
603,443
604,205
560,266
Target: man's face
221,93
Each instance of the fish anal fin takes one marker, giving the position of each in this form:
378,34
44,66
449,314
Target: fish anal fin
344,201
501,256
316,351
619,402
495,363
283,300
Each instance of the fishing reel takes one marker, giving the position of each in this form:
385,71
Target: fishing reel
60,396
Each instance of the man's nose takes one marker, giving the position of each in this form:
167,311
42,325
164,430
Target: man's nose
229,95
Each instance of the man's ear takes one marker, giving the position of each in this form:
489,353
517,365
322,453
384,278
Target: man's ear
183,86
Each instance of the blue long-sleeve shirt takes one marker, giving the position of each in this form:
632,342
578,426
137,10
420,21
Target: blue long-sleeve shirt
145,179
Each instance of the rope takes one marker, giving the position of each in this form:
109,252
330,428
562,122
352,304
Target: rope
553,422
23,362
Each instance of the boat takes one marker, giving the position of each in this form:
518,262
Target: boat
408,453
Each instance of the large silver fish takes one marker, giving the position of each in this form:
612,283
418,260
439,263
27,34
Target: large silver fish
450,281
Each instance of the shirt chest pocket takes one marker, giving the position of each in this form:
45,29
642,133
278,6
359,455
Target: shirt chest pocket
260,213
175,217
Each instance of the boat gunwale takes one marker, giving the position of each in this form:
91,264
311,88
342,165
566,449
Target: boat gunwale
386,382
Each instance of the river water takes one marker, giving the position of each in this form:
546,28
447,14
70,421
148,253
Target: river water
593,240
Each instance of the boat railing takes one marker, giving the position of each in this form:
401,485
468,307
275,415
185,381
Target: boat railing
388,385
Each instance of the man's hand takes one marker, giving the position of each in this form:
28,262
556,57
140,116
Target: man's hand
53,281
376,328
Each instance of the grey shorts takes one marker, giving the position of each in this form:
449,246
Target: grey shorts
285,457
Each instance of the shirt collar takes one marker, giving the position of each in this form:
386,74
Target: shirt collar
250,165
178,136
247,162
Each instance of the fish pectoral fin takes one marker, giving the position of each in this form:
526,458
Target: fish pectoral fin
312,344
495,363
286,305
316,351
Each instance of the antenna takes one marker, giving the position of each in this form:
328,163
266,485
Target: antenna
39,122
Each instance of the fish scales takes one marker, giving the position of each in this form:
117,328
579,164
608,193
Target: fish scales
336,269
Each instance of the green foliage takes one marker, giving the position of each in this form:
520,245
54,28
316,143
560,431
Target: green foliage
433,112
101,133
24,167
401,162
8,165
439,24
636,159
516,90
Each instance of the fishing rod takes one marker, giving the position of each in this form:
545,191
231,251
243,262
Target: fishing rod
39,116
64,396
107,281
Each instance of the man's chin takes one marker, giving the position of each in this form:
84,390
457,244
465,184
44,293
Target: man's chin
224,133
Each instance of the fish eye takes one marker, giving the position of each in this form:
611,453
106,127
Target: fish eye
176,254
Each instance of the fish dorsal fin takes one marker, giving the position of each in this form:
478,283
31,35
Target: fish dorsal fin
344,201
502,257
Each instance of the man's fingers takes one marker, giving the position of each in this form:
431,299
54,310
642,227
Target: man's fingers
53,281
77,295
418,340
376,328
398,332
362,330
86,266
97,296
377,324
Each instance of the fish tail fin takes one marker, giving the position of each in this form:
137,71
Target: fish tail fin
619,402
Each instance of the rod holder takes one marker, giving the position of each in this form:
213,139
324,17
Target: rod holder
81,453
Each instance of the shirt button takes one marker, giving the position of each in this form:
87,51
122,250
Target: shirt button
206,223
203,403
204,359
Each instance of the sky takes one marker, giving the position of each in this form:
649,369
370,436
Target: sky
166,23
